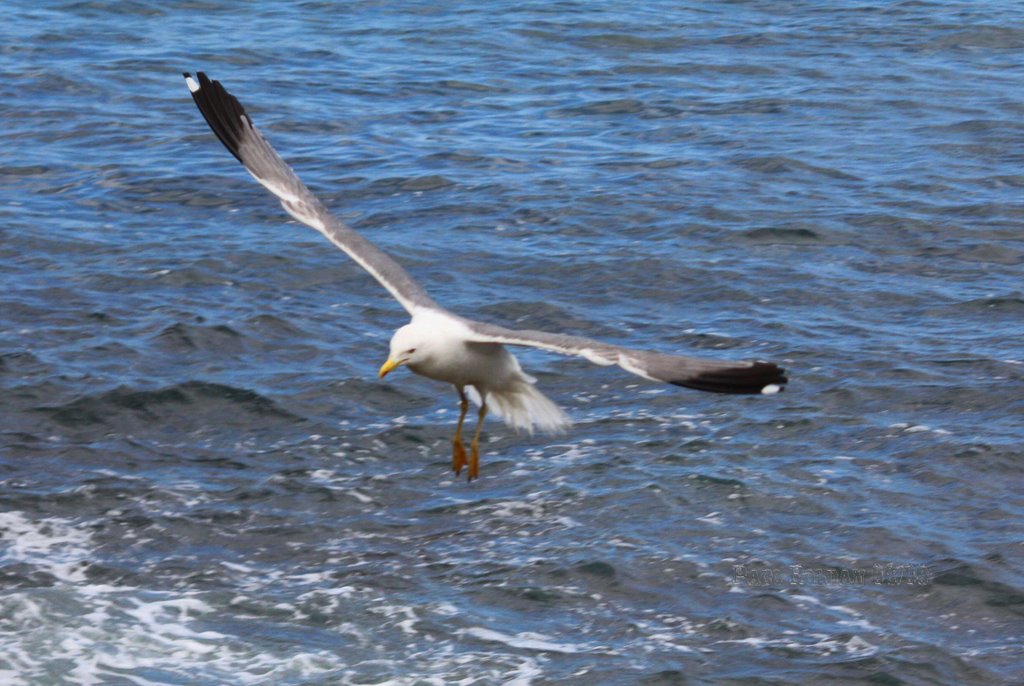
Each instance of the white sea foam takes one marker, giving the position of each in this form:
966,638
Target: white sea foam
526,639
525,673
712,518
87,634
53,545
908,428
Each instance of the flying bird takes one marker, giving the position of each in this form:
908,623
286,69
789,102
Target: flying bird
441,345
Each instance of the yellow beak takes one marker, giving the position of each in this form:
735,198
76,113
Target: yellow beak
388,366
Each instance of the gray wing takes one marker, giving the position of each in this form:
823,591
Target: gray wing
716,376
236,131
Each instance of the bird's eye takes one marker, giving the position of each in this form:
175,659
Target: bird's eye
411,350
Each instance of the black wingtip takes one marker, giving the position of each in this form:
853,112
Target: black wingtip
758,377
222,111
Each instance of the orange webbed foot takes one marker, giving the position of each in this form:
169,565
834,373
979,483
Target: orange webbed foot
458,455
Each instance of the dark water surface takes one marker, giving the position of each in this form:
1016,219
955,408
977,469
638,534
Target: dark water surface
202,481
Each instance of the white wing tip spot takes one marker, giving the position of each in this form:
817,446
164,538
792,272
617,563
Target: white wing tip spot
191,83
771,389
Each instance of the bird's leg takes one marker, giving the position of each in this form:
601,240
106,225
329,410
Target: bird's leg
458,449
474,447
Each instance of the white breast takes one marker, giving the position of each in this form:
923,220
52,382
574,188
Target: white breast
452,358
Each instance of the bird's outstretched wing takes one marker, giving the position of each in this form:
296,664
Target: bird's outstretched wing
235,129
717,376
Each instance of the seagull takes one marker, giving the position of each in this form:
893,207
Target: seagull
438,344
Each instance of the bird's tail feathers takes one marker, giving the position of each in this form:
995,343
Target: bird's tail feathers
524,408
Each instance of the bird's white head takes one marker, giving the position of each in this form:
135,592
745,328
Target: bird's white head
409,345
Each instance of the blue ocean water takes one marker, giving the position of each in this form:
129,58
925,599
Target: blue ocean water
203,482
